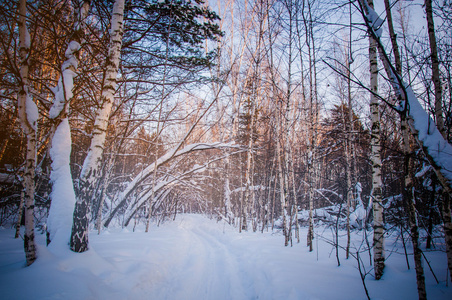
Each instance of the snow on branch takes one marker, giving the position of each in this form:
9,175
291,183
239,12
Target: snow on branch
31,112
427,133
373,20
148,171
437,150
250,188
63,91
166,158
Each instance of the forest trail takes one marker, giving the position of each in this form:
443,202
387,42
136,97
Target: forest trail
208,269
195,257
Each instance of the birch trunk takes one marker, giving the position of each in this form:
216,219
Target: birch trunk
227,194
313,117
248,171
349,191
348,142
348,164
378,239
90,169
20,214
267,213
282,186
310,236
409,201
408,180
393,36
348,159
435,68
28,115
262,15
435,148
285,148
294,191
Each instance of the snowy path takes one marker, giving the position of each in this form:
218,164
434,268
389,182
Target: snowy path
206,270
198,258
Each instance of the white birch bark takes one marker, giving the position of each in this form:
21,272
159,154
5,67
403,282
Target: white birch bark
248,171
227,193
286,132
282,185
20,214
435,68
294,187
408,180
378,225
348,122
313,116
90,169
410,203
310,168
28,116
435,148
287,206
349,187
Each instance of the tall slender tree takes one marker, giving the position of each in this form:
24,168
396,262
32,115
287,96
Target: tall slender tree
90,169
377,197
435,68
408,182
28,116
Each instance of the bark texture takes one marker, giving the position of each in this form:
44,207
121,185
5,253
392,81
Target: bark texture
28,111
431,151
409,201
408,181
90,169
435,68
378,239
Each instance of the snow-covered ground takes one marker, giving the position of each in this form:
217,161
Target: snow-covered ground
198,258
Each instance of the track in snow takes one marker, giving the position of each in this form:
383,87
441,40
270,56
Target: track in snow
197,258
207,270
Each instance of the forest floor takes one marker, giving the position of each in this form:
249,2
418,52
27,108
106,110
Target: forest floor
194,257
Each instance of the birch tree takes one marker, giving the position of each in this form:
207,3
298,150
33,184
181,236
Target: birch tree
378,225
311,170
28,116
408,182
350,151
435,68
421,126
90,169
